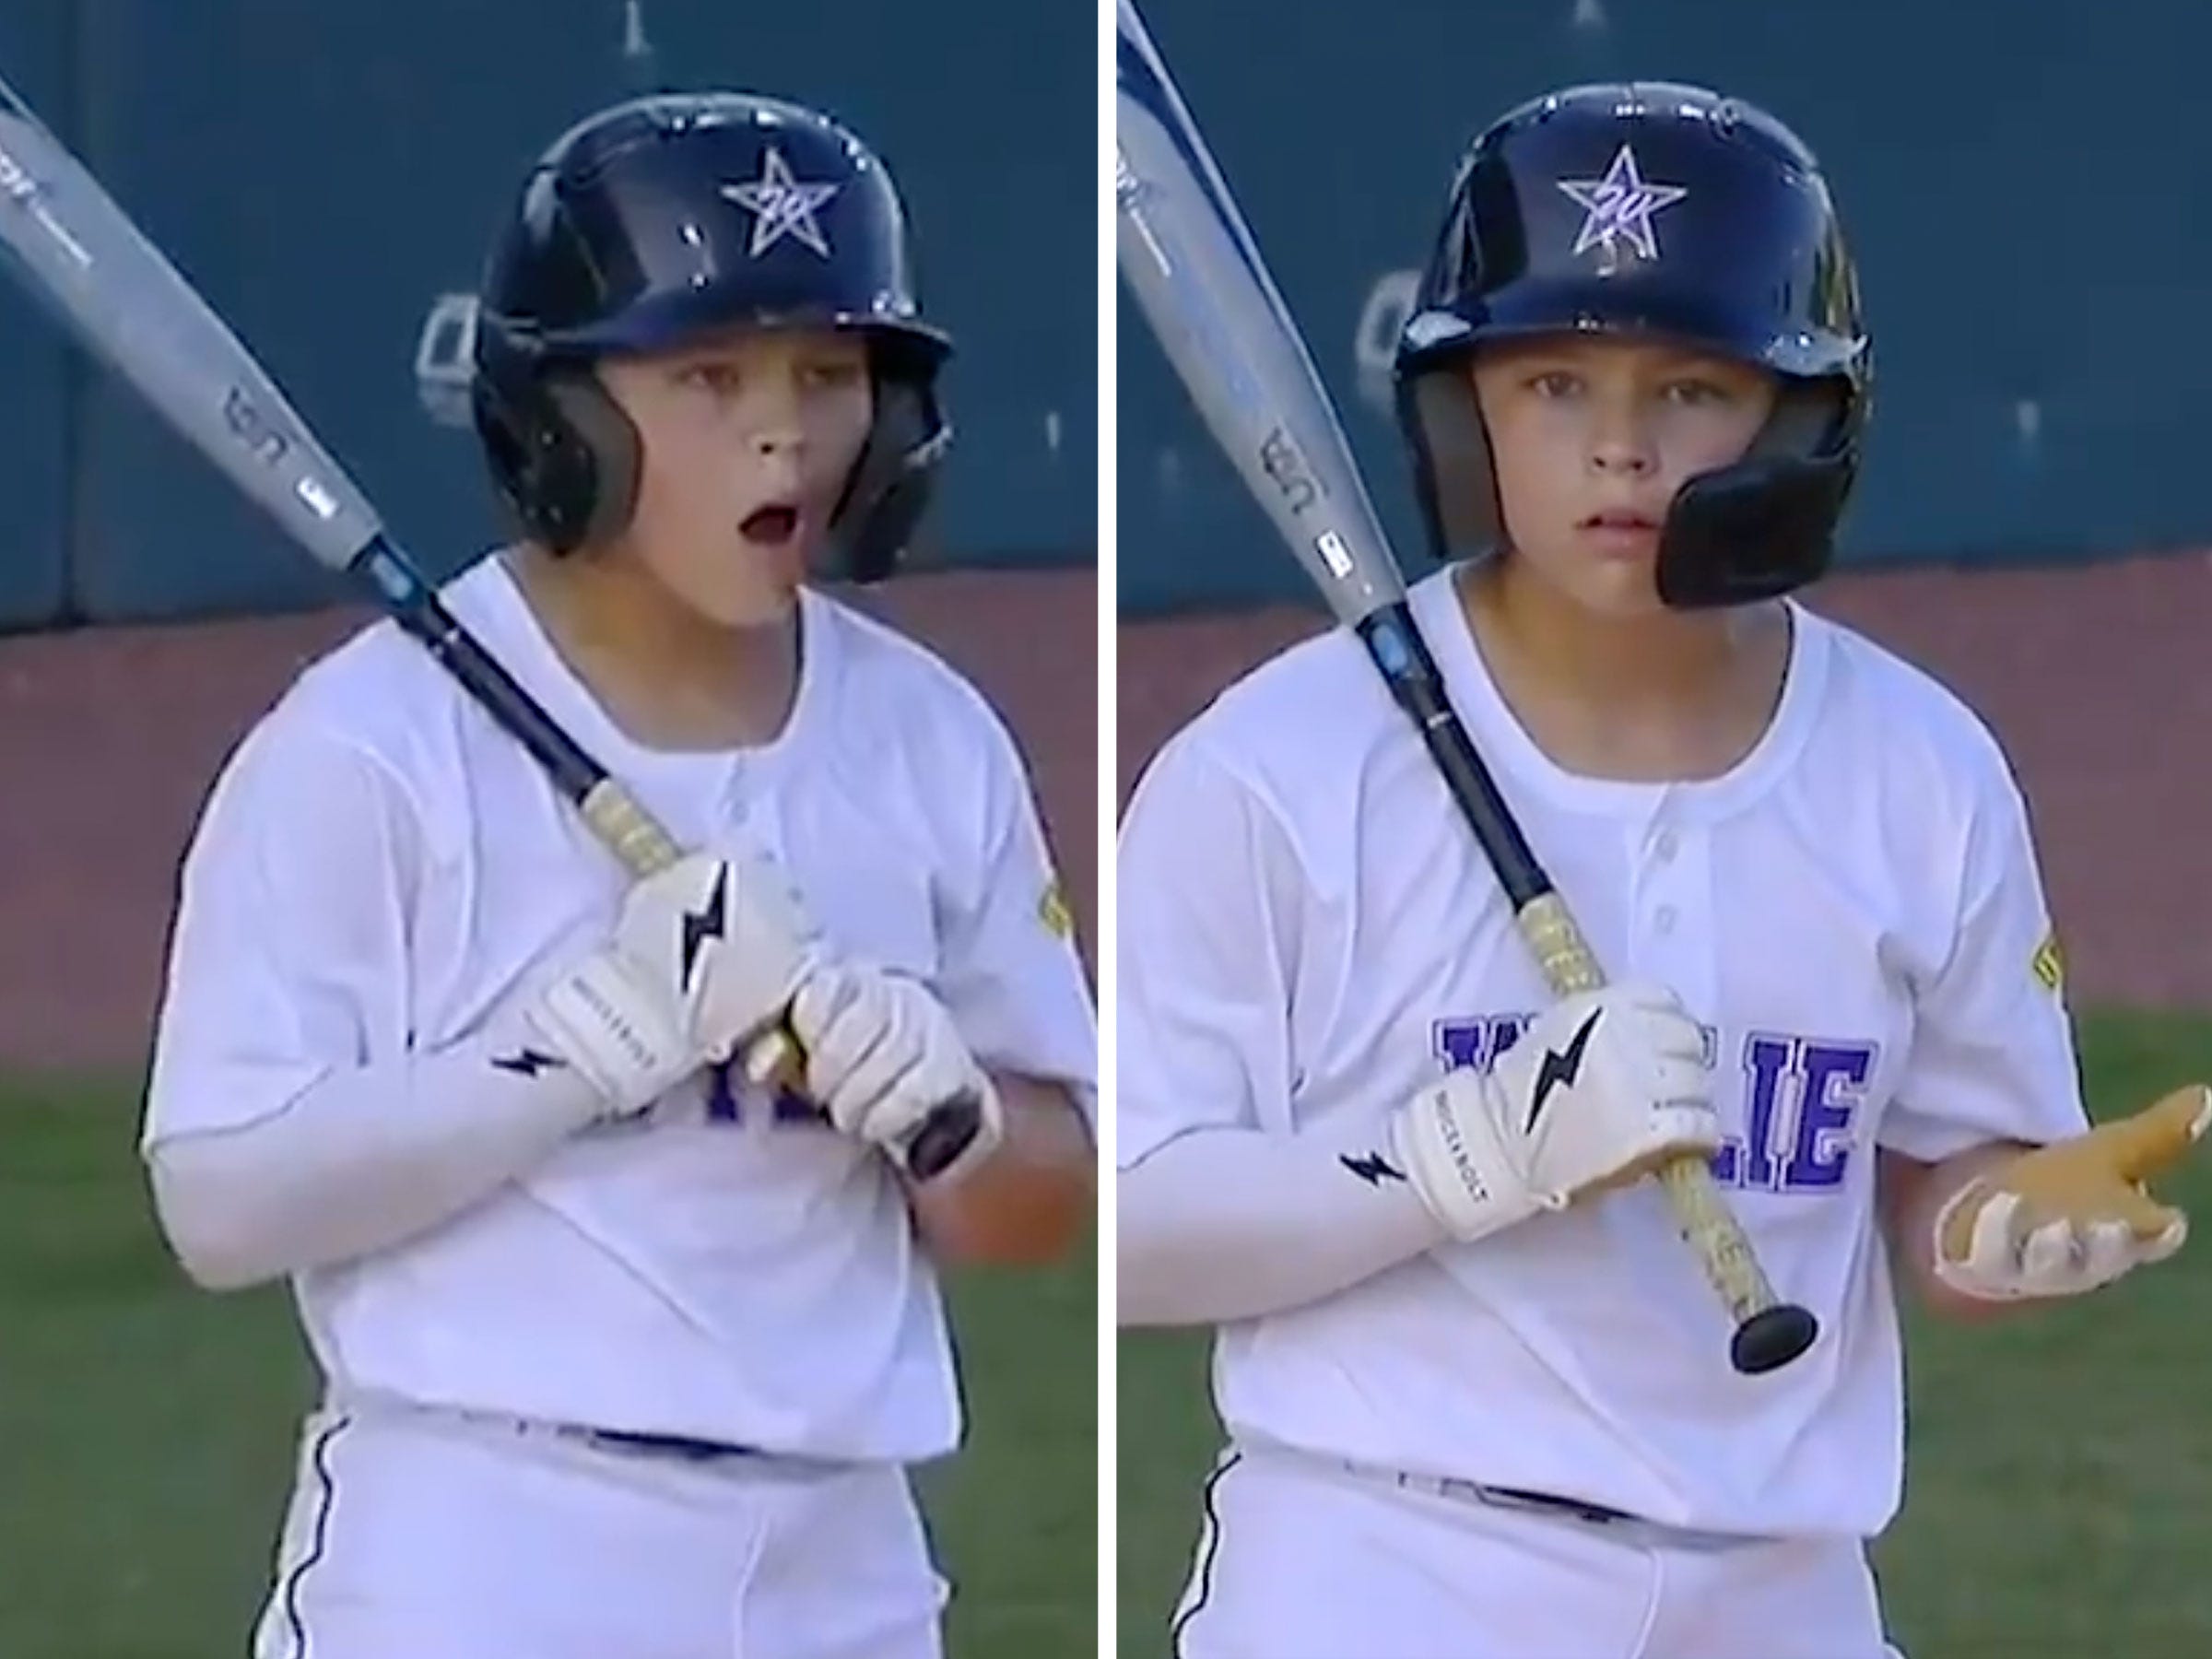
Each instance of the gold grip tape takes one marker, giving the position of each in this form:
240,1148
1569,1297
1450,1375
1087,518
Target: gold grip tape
1707,1223
1560,950
772,1059
1722,1248
629,832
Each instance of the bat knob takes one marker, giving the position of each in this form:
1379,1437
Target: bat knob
774,1059
944,1134
1771,1338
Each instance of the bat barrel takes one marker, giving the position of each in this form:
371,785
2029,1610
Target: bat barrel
1185,254
124,302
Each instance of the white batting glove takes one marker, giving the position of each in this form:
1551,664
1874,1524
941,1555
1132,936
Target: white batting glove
705,955
1602,1090
882,1054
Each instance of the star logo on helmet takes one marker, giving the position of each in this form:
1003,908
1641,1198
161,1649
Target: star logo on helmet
782,205
1620,207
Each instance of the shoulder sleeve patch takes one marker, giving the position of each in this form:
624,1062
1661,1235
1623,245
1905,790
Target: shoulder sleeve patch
1052,910
2047,964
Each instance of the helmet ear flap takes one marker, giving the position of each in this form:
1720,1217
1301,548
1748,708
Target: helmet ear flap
605,457
1453,472
564,457
1753,531
1766,525
1807,419
891,483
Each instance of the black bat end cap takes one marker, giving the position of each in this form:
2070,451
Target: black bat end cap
938,1144
1770,1340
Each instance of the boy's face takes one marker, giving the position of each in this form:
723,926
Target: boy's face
1590,438
748,438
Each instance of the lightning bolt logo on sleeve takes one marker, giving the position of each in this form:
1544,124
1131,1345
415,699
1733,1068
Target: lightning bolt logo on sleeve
1374,1169
528,1062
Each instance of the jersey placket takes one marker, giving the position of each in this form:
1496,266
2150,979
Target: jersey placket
1670,921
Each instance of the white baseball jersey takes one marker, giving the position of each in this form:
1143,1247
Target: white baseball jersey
1308,933
380,866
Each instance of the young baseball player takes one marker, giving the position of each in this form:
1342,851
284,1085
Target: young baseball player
624,1353
1476,1389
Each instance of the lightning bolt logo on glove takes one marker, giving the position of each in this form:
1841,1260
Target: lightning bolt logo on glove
1560,1070
711,921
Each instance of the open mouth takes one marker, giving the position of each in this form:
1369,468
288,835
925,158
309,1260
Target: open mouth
771,526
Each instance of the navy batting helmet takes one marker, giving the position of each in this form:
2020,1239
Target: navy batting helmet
668,216
1661,209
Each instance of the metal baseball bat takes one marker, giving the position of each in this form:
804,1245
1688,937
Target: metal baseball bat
122,298
1185,253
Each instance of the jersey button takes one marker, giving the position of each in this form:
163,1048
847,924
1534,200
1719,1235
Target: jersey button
1663,919
1666,846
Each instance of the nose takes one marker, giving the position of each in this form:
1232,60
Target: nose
1622,452
779,464
777,429
1620,446
777,438
778,467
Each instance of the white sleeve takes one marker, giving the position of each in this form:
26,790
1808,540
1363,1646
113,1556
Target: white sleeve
287,958
1011,975
363,1159
1204,980
1993,1052
288,1123
1228,1224
1222,1211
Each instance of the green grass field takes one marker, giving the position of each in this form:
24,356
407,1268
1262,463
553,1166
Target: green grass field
2059,1486
146,1427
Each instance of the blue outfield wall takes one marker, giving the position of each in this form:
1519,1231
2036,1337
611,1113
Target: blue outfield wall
325,173
34,367
2028,187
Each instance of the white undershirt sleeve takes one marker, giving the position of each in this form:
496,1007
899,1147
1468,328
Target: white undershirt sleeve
1228,1224
362,1159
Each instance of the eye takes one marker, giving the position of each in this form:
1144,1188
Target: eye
718,379
834,374
1555,382
1697,392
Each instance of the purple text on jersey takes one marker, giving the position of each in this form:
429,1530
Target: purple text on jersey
1801,1098
732,1097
